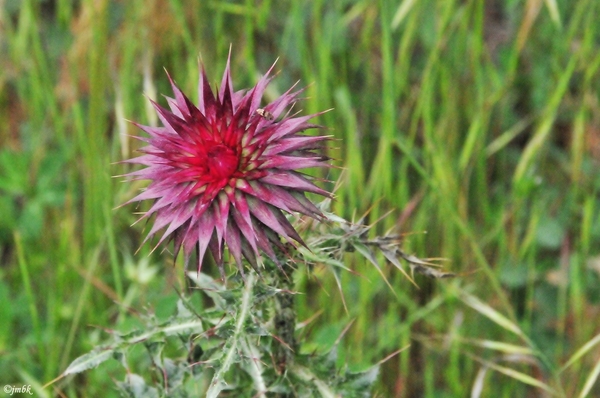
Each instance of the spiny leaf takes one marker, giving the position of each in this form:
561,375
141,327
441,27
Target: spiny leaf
97,356
369,255
306,375
218,383
430,272
358,384
155,349
174,373
253,365
423,267
210,287
181,326
89,360
135,386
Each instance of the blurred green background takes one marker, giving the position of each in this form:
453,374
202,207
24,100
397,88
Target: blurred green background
477,122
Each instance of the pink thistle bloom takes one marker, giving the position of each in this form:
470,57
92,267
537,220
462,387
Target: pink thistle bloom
225,172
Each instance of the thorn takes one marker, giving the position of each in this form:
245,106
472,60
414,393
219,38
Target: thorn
337,341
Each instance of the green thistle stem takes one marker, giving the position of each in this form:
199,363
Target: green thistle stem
284,321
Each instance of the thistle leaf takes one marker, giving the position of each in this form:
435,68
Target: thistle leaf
90,360
135,386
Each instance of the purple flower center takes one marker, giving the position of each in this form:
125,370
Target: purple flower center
221,161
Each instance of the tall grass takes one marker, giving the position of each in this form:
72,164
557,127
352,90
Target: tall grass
476,122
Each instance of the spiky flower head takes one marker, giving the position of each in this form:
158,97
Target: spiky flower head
225,172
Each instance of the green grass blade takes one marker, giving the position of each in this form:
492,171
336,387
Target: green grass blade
591,380
581,352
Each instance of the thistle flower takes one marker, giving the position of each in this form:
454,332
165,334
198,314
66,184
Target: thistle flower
225,172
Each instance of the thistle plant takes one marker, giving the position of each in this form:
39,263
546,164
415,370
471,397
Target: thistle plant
225,180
